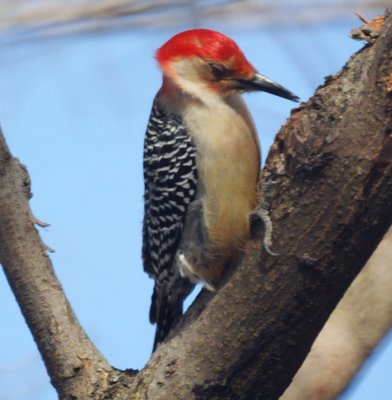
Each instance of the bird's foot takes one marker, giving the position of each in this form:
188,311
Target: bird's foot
263,215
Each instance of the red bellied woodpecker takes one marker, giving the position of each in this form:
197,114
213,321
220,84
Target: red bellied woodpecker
201,166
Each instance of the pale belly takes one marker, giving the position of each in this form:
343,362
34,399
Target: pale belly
228,160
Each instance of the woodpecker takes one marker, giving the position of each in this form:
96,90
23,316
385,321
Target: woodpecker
201,165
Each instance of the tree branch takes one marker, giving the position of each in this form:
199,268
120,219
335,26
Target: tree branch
73,363
357,325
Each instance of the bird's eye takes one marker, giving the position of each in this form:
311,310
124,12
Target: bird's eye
219,71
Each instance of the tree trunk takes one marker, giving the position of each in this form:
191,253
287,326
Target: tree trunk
359,322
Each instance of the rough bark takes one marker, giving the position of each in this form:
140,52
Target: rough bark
73,363
359,322
330,209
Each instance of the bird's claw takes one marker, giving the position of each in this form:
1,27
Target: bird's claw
263,214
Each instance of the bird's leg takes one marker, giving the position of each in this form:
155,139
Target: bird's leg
262,212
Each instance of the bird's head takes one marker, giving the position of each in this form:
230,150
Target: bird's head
201,59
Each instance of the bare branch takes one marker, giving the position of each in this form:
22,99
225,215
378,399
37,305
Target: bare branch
72,361
32,19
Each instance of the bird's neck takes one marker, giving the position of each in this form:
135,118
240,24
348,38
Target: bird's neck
176,92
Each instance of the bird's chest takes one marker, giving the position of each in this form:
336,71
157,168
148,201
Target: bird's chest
227,158
226,150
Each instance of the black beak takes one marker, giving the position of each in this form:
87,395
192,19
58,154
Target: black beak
264,84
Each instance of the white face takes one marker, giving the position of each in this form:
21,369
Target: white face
196,74
192,69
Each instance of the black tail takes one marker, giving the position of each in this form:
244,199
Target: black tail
166,307
168,316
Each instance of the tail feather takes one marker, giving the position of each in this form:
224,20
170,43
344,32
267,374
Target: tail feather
167,319
166,307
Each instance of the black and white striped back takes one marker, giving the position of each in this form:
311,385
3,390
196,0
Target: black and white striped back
170,179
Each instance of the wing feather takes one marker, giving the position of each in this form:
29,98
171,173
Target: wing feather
170,180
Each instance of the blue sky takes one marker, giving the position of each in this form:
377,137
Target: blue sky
74,110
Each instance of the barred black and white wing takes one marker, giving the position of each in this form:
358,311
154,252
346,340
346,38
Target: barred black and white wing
170,179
